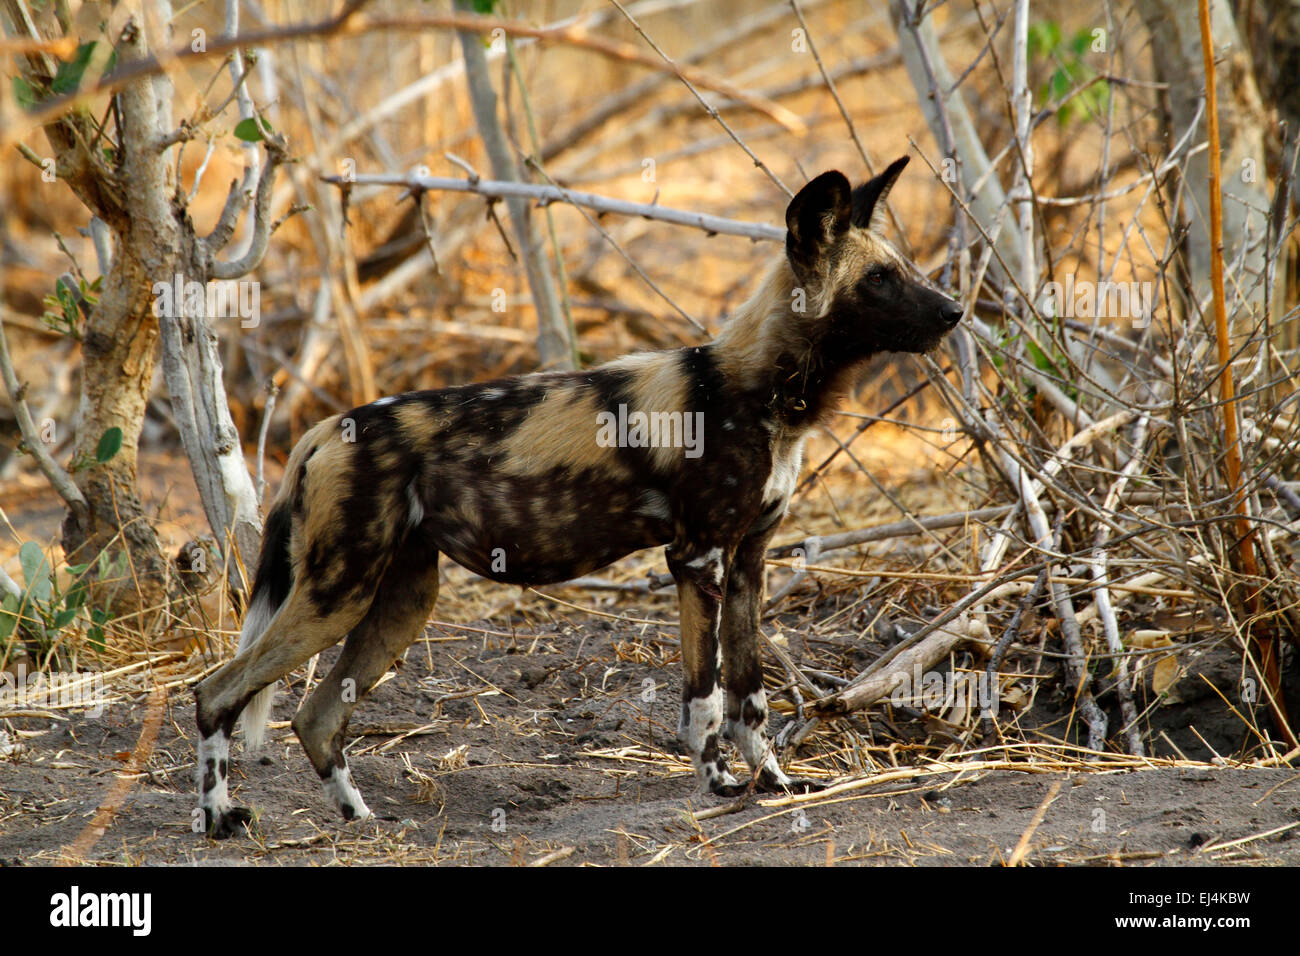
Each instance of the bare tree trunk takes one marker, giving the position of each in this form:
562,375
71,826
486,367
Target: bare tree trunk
554,341
192,359
1175,33
966,165
1273,30
193,371
119,339
155,248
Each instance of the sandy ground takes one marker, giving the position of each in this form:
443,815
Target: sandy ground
488,749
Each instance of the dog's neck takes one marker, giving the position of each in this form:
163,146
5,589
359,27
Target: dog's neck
772,349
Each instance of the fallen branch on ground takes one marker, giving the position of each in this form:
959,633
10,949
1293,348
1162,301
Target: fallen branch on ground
897,668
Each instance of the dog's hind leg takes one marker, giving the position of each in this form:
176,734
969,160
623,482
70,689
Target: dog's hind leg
402,604
300,629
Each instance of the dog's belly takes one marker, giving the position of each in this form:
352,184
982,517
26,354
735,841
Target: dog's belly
522,531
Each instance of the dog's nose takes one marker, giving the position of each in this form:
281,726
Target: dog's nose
951,314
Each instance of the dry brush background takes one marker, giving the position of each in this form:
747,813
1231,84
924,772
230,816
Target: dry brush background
1087,500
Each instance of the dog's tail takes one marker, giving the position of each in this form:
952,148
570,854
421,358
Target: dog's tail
270,588
274,578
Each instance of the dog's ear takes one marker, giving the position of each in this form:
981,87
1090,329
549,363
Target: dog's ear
816,217
868,199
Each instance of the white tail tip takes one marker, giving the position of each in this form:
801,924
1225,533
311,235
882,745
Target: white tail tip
256,715
258,711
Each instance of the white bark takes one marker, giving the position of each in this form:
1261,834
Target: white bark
1023,99
555,346
952,127
496,189
192,358
192,367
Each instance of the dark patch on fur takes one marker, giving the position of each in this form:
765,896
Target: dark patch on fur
274,572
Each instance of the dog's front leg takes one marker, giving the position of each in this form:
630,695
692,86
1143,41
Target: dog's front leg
746,700
701,575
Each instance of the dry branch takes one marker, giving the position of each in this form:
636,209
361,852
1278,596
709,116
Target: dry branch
638,93
1098,564
898,668
978,191
350,23
1261,645
787,119
58,478
495,189
822,544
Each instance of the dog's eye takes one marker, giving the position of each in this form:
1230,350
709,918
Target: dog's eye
876,276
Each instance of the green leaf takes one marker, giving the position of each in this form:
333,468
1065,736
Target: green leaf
110,443
1043,37
111,566
67,301
64,618
69,76
1059,85
24,93
1041,361
484,7
36,571
76,596
1095,99
8,616
250,130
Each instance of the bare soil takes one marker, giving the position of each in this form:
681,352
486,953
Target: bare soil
559,747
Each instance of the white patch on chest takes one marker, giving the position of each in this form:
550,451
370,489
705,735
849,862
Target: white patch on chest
709,563
787,459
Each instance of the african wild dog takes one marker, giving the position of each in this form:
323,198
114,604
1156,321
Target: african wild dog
516,480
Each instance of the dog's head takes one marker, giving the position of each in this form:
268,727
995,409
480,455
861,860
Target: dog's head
864,290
